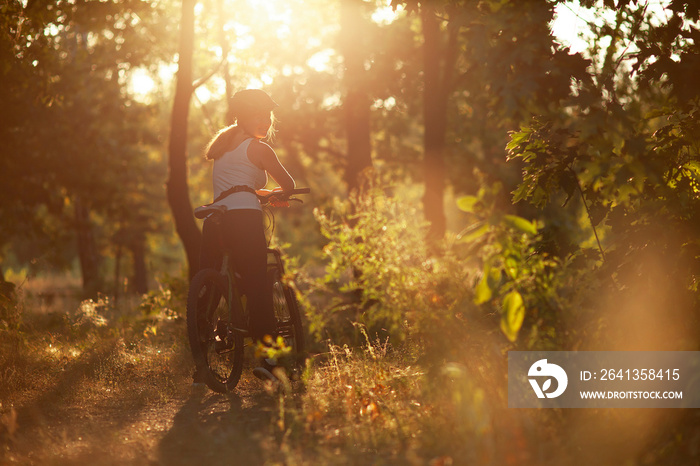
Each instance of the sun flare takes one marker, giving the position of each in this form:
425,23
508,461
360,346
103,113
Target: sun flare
141,83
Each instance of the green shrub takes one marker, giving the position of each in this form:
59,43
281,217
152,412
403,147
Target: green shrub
519,282
378,273
169,300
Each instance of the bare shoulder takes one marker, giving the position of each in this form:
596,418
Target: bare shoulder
261,154
260,148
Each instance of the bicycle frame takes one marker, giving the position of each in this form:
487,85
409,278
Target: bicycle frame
216,330
235,297
236,309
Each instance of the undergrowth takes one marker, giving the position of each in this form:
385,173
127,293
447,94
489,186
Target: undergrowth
379,274
438,393
96,354
372,404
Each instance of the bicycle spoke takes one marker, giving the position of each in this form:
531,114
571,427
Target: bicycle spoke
217,349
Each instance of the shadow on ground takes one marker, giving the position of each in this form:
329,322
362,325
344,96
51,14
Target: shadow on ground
216,429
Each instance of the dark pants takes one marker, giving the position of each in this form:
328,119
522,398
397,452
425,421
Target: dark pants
244,236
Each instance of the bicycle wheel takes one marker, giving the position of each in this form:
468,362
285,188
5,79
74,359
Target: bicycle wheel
216,347
287,314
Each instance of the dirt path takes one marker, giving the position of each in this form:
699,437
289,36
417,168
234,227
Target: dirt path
221,429
76,393
188,429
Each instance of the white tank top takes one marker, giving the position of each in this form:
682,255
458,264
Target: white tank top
235,169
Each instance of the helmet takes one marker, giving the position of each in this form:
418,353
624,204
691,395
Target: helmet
251,99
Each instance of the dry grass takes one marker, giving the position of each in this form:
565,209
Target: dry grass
70,364
98,383
370,406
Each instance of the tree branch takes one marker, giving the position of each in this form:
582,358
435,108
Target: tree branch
198,82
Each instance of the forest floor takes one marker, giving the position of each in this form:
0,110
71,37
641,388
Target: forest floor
100,385
87,387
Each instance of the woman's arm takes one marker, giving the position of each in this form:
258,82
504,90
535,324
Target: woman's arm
264,157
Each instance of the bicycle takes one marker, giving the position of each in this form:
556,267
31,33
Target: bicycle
217,316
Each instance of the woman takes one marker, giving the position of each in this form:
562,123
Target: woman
241,164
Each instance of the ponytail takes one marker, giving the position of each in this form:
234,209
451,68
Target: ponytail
220,143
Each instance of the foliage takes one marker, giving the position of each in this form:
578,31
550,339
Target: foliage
520,281
72,133
379,273
371,403
496,274
632,160
169,300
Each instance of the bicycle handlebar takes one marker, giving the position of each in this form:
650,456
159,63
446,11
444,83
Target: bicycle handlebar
283,195
290,193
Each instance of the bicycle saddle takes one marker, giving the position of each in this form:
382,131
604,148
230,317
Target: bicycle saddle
206,210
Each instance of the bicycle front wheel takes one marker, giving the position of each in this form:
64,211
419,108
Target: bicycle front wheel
287,314
217,347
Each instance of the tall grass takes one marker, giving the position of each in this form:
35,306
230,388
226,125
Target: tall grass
415,363
370,405
56,358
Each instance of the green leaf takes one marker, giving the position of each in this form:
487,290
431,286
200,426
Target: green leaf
466,203
482,291
512,315
520,224
473,232
511,266
516,139
522,192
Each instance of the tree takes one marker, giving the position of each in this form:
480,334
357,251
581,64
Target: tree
627,148
75,126
439,58
177,186
356,103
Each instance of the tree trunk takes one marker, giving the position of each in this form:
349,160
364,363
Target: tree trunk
139,281
225,43
176,186
357,102
117,272
87,249
438,65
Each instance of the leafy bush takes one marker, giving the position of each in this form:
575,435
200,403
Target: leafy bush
494,277
169,300
379,273
638,184
520,281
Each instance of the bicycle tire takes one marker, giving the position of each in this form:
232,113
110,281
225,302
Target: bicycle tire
217,349
287,314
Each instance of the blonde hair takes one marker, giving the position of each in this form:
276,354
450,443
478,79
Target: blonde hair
222,140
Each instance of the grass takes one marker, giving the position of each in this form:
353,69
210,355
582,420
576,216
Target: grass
70,361
104,383
371,405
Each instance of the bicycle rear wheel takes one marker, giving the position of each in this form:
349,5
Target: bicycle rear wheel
217,348
287,314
